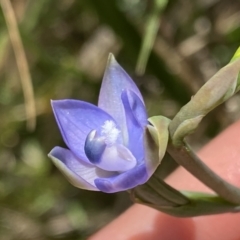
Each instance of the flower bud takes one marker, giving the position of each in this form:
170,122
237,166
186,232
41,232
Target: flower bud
214,92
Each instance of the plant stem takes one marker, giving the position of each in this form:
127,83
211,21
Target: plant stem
184,156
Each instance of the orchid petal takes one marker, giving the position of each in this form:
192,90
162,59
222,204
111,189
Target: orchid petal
135,130
115,80
123,181
138,108
80,174
117,158
114,157
75,120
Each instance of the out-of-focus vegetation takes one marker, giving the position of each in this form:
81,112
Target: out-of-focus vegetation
67,43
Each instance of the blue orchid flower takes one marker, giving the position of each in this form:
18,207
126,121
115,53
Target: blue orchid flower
106,143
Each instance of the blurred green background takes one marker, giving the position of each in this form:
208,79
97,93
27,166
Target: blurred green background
66,44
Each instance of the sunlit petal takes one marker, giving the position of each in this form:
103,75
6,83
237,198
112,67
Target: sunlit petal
115,81
75,120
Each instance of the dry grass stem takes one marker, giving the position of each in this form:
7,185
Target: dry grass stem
21,63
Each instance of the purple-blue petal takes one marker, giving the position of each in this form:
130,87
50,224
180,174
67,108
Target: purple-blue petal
80,174
115,81
123,181
138,108
75,120
135,131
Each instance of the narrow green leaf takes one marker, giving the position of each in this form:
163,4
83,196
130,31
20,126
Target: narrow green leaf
150,34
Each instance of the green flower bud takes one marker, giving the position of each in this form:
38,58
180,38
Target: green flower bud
214,92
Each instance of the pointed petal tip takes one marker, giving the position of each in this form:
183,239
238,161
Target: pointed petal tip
111,60
73,170
51,154
67,103
52,101
54,156
59,100
111,56
55,102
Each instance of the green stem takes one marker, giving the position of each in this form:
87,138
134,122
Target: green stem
158,193
184,156
199,207
152,27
